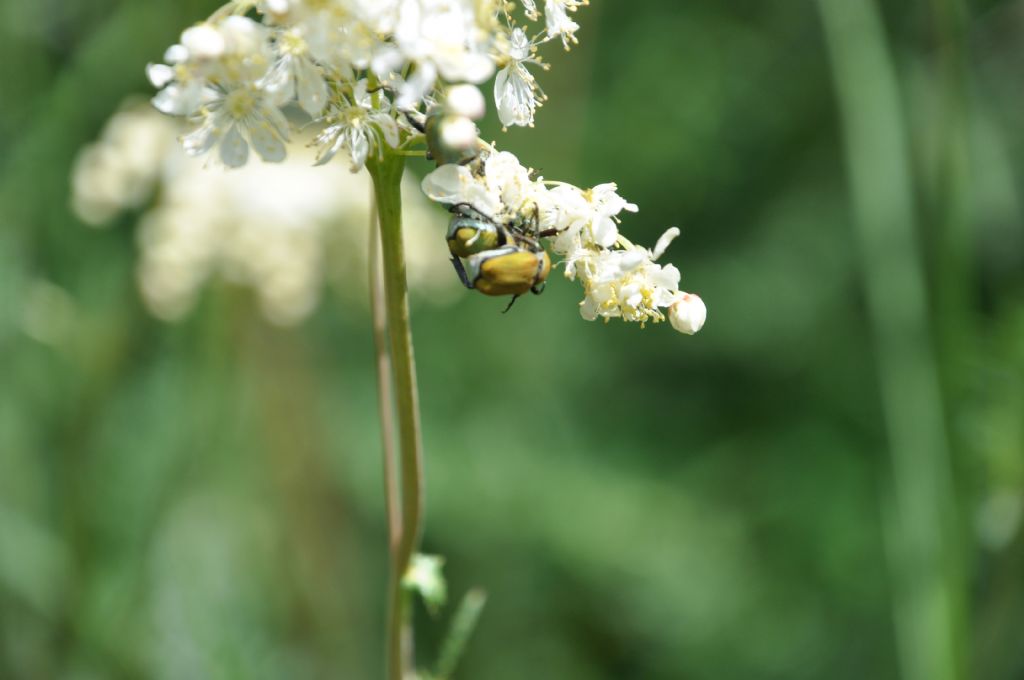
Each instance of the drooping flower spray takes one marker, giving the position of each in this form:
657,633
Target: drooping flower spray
381,80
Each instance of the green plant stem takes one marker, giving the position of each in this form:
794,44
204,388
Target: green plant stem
921,531
385,385
386,173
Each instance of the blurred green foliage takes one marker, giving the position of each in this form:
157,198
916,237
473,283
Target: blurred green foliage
204,499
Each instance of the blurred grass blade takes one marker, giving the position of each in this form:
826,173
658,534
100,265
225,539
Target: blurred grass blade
33,562
462,627
921,527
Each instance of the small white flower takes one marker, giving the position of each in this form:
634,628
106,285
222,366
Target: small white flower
358,127
559,25
211,58
515,89
440,38
181,93
296,75
236,118
583,218
502,189
453,184
425,576
627,284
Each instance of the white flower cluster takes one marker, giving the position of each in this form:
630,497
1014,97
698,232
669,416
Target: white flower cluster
376,75
265,227
619,278
353,66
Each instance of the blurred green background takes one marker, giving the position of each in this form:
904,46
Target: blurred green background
826,482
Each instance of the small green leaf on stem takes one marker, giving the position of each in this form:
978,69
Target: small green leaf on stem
462,627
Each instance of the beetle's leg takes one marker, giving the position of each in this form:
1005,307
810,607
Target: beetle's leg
511,302
457,209
461,271
538,286
416,121
548,233
521,238
454,206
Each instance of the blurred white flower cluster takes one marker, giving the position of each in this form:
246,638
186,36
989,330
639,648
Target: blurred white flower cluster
267,227
619,278
353,66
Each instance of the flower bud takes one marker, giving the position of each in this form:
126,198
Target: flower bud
176,54
458,132
242,36
466,100
278,7
688,313
203,41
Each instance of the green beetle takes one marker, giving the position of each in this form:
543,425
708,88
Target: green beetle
471,232
509,270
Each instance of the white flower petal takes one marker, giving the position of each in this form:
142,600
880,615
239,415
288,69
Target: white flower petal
358,149
416,87
388,127
311,87
274,116
659,248
514,96
605,231
200,140
267,144
558,22
159,74
446,184
386,60
665,277
234,151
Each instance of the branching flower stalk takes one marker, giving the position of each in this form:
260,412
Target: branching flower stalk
382,80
